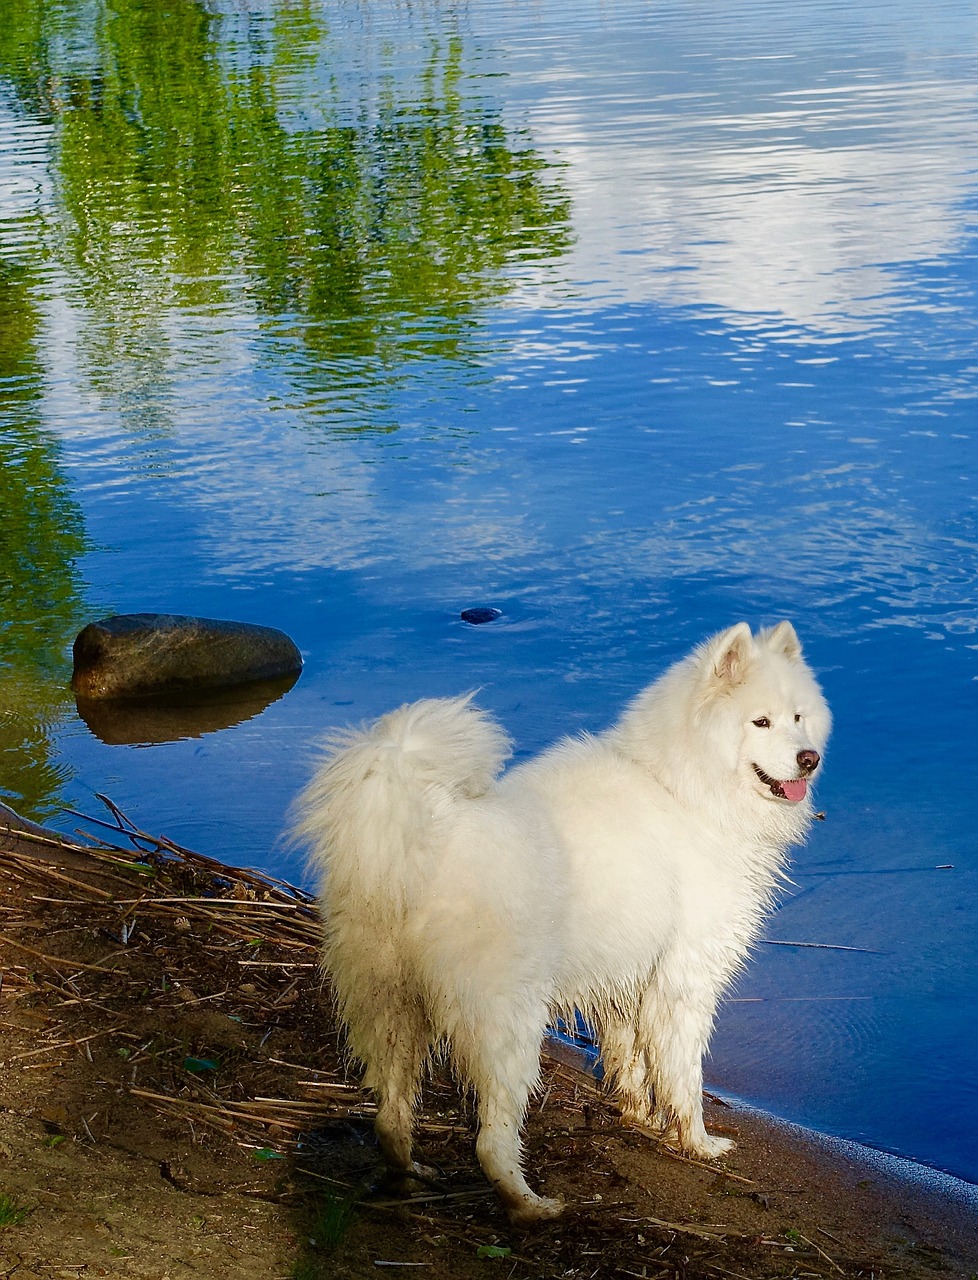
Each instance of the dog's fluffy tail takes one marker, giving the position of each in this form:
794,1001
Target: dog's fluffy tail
370,809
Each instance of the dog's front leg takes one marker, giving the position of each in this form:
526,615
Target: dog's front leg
675,1022
627,1067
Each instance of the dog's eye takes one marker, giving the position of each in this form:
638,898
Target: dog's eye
797,717
762,722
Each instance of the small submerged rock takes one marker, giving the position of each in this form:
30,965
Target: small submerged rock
481,613
135,655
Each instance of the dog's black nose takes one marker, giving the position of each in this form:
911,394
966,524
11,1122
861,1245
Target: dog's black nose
808,761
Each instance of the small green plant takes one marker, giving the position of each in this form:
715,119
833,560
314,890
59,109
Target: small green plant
326,1223
141,868
331,1219
11,1213
493,1251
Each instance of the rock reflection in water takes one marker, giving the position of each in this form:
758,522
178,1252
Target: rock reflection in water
149,721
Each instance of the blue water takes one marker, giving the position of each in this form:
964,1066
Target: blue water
735,378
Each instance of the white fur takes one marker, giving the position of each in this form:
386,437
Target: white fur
624,875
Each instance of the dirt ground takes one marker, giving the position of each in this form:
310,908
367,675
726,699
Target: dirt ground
173,1103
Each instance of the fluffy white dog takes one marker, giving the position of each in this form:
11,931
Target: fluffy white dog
624,875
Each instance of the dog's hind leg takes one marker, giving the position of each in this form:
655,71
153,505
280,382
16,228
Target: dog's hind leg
394,1065
500,1151
504,1072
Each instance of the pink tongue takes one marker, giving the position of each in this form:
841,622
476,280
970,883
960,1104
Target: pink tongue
795,789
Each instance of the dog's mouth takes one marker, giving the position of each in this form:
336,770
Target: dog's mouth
792,789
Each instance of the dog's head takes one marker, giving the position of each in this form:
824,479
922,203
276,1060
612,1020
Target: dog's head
764,710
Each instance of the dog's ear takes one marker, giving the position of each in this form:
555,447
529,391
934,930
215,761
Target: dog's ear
731,653
782,639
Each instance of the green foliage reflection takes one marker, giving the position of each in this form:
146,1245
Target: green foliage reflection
40,538
194,174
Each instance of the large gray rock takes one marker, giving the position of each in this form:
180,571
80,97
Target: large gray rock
135,655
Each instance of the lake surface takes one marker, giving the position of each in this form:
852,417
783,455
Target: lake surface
630,321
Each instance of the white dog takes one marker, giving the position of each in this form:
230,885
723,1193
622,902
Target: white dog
624,875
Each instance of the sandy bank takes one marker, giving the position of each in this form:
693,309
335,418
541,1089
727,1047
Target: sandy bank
173,1102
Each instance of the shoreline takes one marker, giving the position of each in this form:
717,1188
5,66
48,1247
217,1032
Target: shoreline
901,1169
863,1190
931,1181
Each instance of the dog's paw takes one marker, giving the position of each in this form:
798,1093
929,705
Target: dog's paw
711,1148
526,1211
640,1118
657,1126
